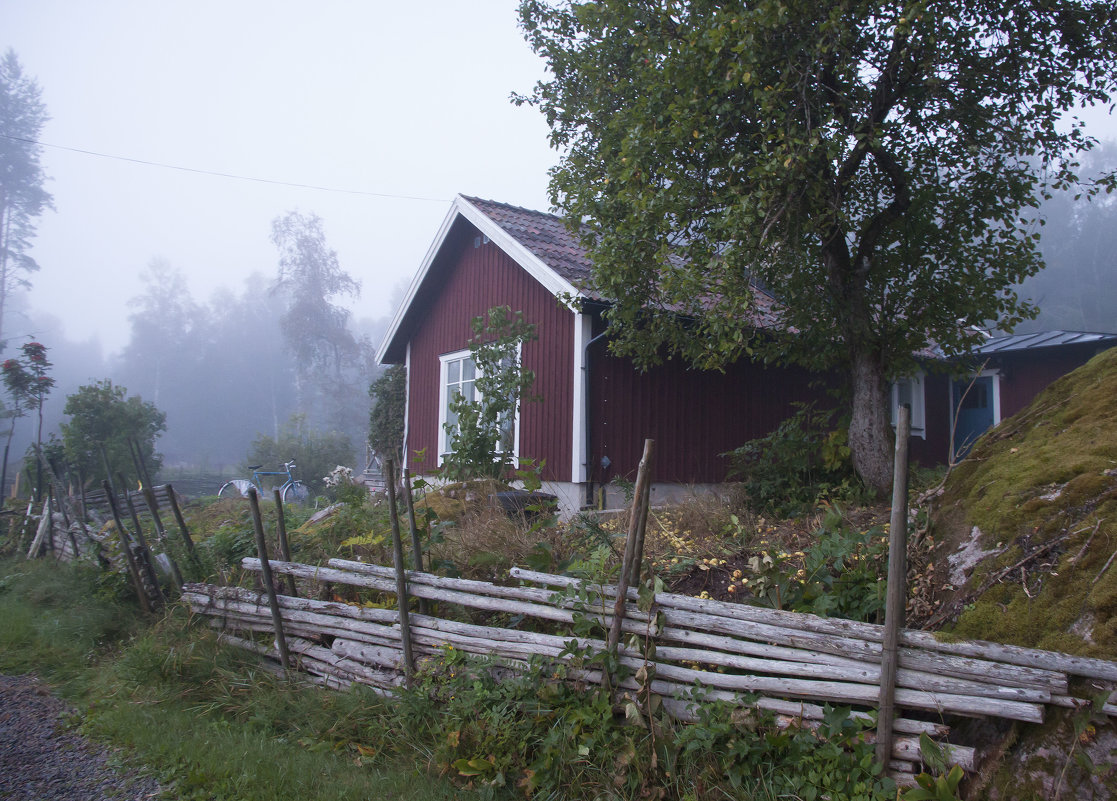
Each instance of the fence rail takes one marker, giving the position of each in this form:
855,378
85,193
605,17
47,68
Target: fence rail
795,662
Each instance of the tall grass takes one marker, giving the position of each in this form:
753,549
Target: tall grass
204,719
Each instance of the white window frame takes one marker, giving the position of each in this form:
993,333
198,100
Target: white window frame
918,404
444,362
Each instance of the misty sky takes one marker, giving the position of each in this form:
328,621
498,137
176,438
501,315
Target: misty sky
409,100
403,99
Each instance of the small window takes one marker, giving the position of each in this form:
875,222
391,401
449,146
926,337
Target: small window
910,391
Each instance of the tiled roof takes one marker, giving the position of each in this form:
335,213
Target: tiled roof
548,238
543,234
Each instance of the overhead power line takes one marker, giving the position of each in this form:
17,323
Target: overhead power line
217,174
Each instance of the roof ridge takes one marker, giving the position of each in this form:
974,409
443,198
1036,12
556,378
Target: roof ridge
511,206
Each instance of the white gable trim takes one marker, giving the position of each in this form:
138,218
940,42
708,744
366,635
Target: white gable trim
535,267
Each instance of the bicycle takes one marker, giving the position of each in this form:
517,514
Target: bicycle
291,490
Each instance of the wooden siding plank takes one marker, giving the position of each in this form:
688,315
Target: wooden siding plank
469,277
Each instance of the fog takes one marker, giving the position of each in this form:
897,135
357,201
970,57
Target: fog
179,131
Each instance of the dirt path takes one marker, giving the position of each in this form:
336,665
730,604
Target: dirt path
40,760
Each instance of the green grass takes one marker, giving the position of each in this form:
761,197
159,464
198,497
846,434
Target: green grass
204,719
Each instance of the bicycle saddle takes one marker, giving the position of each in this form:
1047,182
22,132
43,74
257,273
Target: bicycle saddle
255,466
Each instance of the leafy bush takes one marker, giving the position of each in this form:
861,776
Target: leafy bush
315,453
804,459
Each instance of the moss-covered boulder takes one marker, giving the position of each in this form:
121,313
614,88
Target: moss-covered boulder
1026,532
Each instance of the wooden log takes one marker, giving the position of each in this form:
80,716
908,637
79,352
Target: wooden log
1026,711
530,644
1045,663
529,594
701,614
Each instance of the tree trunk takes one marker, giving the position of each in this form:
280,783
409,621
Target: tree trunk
870,428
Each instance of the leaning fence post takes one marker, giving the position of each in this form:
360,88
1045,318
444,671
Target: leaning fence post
281,537
416,546
897,585
401,577
265,570
126,548
145,549
189,543
631,554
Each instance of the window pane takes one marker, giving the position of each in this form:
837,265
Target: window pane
903,392
453,371
469,370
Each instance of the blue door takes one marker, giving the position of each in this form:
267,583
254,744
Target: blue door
973,412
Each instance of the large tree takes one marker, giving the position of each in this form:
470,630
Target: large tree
315,328
22,196
874,164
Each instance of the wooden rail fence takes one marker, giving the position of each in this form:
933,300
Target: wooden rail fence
795,662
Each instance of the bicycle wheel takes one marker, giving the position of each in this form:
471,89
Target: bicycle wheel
295,492
235,488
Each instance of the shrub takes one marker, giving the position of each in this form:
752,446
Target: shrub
804,459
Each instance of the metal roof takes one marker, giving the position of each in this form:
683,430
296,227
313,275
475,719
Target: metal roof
1043,339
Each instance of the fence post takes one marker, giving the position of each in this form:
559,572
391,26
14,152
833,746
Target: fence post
141,540
281,536
897,586
401,571
126,548
416,546
265,570
189,543
632,555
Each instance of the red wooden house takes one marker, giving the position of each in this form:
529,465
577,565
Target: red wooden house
595,409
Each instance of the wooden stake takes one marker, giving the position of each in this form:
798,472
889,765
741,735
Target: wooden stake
639,516
281,536
897,587
189,543
145,551
126,549
265,570
401,578
643,499
416,547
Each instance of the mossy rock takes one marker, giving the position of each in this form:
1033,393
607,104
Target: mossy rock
1044,479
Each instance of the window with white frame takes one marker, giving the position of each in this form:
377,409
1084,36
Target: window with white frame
909,390
458,378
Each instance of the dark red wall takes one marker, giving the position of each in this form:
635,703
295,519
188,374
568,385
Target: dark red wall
694,416
464,282
1024,375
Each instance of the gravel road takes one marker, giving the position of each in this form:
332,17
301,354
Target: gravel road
40,760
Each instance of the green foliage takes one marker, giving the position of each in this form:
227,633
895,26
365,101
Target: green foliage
315,453
385,420
482,429
103,415
840,574
822,150
28,384
803,460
